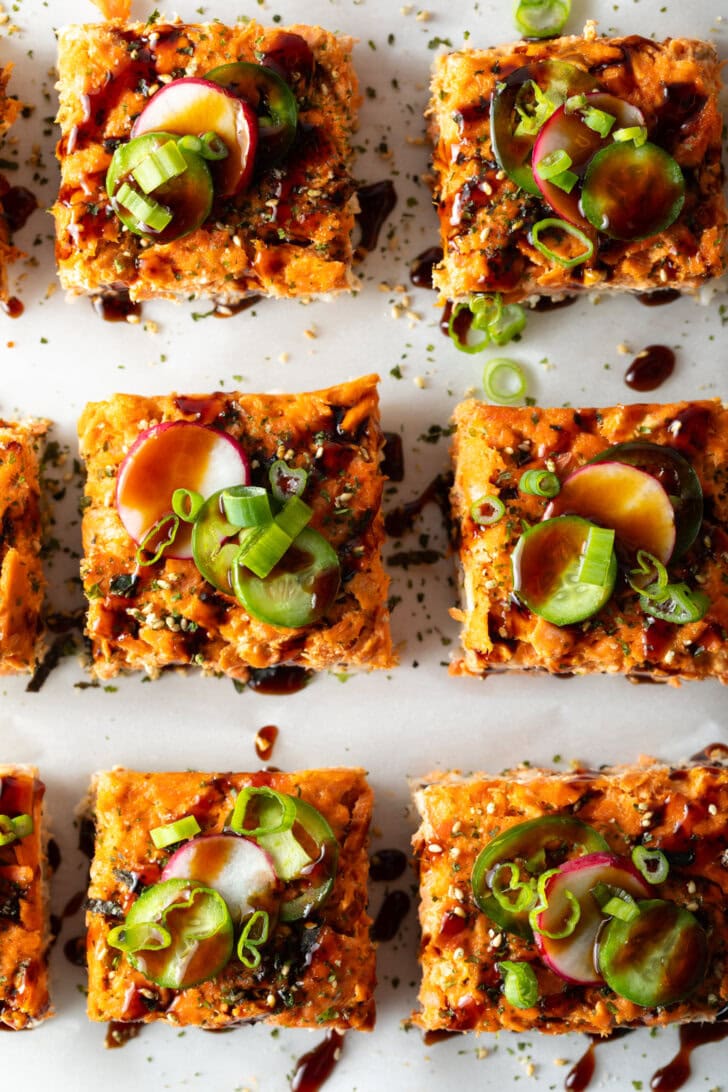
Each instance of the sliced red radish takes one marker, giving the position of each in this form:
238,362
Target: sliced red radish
573,957
625,498
566,131
237,868
194,106
175,455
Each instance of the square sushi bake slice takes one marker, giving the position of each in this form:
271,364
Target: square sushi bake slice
21,577
204,160
578,163
582,901
9,110
593,540
236,532
228,898
24,934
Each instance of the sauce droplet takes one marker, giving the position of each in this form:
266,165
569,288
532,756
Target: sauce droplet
387,865
314,1068
579,1077
650,368
659,297
392,465
117,307
548,303
376,201
402,519
227,310
391,914
284,679
17,205
674,1075
119,1033
422,267
13,307
265,741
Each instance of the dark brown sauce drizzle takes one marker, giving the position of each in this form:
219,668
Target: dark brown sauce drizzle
674,1075
650,368
548,303
314,1068
75,950
392,465
18,205
402,519
265,742
658,297
227,310
431,1037
391,914
387,865
283,679
13,307
376,202
579,1077
423,265
116,307
53,855
118,1034
713,752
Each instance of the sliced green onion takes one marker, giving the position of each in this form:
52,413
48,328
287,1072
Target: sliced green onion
282,821
615,902
263,550
487,509
675,603
541,18
533,116
649,572
247,506
503,381
464,346
598,120
13,829
213,147
286,481
497,323
565,181
179,831
637,133
254,935
503,886
295,515
543,904
148,212
509,322
143,937
157,529
520,985
159,167
186,504
553,163
552,224
651,863
597,558
540,483
574,103
190,143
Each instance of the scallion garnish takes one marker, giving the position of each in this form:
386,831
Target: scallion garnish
597,557
487,509
286,481
650,572
146,543
574,103
534,115
675,603
148,212
179,831
279,822
552,224
294,516
513,894
553,163
210,146
572,919
504,381
520,985
159,166
498,323
541,18
187,504
143,937
263,550
651,863
540,483
636,133
247,506
598,120
253,937
13,829
615,902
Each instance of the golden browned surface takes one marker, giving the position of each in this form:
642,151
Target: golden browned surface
288,235
682,809
21,576
24,936
487,246
9,110
176,617
493,447
319,973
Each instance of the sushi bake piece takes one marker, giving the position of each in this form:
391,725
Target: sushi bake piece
235,532
593,540
24,935
9,110
205,160
583,901
21,577
578,163
220,899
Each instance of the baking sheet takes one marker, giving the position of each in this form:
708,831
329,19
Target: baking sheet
400,724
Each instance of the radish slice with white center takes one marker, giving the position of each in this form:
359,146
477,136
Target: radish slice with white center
195,107
175,455
566,131
573,957
237,868
624,498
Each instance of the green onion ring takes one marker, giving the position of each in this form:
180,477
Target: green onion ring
599,121
504,381
525,892
540,483
553,163
570,229
158,527
186,504
148,212
543,904
597,558
520,985
287,813
14,829
647,565
159,166
179,831
248,951
247,506
487,510
541,18
463,346
651,863
142,937
294,517
213,147
264,549
637,133
615,902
